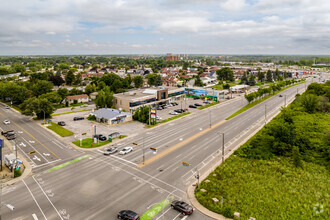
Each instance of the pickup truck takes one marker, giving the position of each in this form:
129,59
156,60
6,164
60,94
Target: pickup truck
10,135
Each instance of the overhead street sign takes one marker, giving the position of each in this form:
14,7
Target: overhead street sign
134,143
84,134
153,149
185,164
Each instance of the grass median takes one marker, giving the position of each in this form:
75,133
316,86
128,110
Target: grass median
88,143
169,119
208,105
258,101
63,132
64,113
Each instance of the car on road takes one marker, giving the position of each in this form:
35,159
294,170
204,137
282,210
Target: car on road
6,122
78,118
192,106
182,207
280,96
128,215
110,150
173,113
126,150
196,97
197,104
101,137
61,123
7,107
10,135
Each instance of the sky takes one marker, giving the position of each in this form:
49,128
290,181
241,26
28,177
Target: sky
73,27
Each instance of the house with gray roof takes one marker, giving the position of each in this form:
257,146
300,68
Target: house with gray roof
112,116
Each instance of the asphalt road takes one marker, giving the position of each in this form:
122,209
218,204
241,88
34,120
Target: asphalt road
98,186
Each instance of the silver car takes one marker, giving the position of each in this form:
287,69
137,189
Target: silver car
110,150
126,150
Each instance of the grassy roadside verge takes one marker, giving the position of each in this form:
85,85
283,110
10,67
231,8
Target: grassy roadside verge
88,143
258,101
63,132
169,119
208,105
64,113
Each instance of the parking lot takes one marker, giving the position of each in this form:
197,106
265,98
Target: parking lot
184,104
86,126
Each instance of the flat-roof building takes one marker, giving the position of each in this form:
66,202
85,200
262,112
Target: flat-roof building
132,100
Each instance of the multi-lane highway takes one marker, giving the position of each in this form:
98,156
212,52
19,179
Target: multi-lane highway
95,186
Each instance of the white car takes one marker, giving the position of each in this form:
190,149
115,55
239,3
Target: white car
6,122
126,150
158,118
173,113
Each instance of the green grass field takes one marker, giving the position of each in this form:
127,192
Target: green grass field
64,113
263,189
88,143
63,132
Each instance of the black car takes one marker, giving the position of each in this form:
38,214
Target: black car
178,110
128,215
280,96
195,98
197,104
78,118
175,103
192,106
62,123
182,207
101,137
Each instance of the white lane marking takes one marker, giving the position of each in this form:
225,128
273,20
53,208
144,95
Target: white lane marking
177,216
180,139
32,142
10,206
22,144
34,200
184,217
175,169
20,132
46,154
124,160
34,216
36,158
178,156
99,150
47,197
34,148
163,213
57,145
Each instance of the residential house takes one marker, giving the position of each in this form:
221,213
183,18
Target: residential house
80,98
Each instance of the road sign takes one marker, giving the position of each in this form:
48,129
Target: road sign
32,152
153,111
84,134
134,143
185,164
1,143
153,149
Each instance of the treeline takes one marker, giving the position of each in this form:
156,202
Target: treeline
273,88
301,131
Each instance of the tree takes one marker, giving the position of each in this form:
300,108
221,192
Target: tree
198,82
138,81
261,76
69,78
75,91
154,79
63,92
90,88
41,107
14,92
252,81
296,156
225,73
41,87
104,98
77,79
53,97
250,97
56,80
244,79
142,114
269,76
310,102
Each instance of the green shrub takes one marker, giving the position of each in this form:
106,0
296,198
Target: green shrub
91,117
228,212
17,173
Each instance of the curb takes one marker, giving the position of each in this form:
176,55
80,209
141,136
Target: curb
27,170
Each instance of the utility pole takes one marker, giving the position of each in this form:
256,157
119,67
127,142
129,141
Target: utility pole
210,119
143,157
284,100
265,114
149,116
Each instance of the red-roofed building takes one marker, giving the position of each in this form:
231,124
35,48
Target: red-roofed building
80,98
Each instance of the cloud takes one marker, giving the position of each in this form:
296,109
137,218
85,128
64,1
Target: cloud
233,5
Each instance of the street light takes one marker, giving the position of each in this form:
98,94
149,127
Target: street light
210,118
44,115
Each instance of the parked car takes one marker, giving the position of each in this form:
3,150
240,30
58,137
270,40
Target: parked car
126,150
192,106
7,107
78,118
110,150
173,113
175,103
62,123
114,135
10,135
280,96
101,137
182,207
6,122
196,97
197,104
158,118
128,215
178,110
